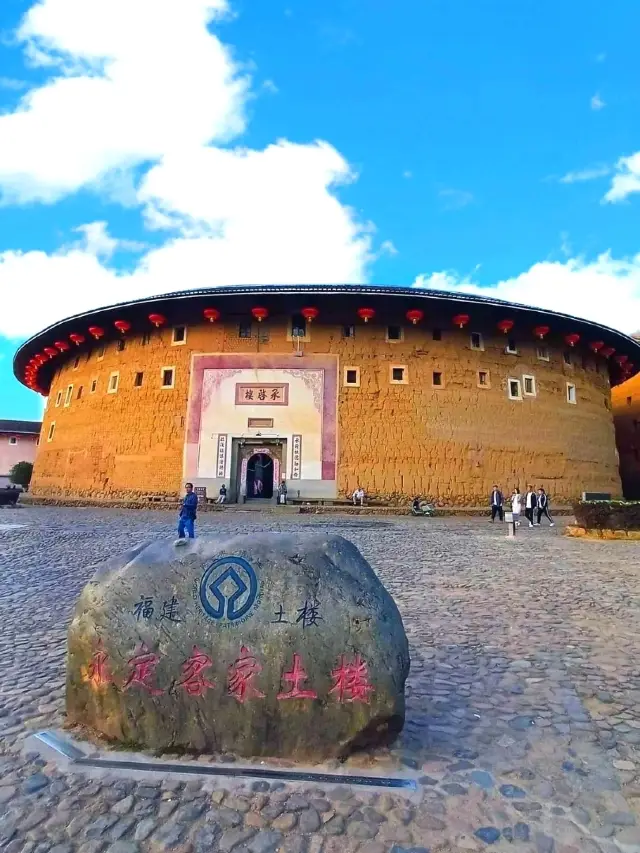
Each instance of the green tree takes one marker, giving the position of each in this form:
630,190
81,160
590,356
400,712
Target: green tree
21,473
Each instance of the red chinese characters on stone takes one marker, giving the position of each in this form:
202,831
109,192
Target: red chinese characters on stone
143,665
193,680
351,681
294,677
98,673
241,674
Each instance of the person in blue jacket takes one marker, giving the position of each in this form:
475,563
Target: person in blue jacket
188,511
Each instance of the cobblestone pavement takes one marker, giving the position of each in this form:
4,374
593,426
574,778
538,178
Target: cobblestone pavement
523,718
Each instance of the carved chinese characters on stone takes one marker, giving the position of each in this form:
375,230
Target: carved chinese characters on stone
351,679
143,665
241,675
193,680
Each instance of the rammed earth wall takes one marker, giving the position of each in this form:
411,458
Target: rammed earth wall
450,442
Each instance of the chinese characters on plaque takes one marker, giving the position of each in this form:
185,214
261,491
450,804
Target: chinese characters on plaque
262,394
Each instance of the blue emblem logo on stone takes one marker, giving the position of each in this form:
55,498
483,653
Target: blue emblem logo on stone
229,589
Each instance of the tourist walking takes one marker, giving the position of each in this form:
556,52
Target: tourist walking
497,504
282,492
188,511
543,506
358,496
516,506
222,496
530,504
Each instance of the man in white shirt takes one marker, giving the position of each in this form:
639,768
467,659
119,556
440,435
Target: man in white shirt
358,496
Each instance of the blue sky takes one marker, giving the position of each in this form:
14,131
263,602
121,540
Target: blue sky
146,147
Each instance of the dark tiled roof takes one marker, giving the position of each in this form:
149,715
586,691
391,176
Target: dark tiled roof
21,427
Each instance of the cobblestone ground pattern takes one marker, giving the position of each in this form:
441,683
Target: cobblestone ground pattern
523,717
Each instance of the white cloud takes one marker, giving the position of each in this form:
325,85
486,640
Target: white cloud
591,173
597,103
626,180
132,82
453,199
605,290
140,98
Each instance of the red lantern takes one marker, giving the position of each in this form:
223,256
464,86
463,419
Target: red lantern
621,359
260,314
506,326
63,346
541,331
572,339
366,314
461,320
157,320
211,314
310,314
122,325
52,352
40,359
607,352
596,346
77,339
415,315
96,331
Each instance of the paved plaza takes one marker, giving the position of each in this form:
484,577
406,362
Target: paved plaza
523,701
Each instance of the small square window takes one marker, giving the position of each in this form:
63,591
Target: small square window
52,429
137,381
529,386
76,363
120,345
398,374
515,391
79,394
511,347
542,353
394,333
476,341
629,400
351,377
68,395
298,326
571,393
13,439
437,334
146,338
437,379
100,352
58,398
179,335
484,380
168,377
112,387
566,357
94,385
244,330
348,331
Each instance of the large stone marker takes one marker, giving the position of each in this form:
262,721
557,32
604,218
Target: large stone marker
260,645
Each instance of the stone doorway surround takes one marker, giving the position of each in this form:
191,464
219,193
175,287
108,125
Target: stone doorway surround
274,448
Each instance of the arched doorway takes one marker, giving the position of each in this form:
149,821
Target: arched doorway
260,475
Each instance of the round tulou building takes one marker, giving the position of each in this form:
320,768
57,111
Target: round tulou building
401,391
